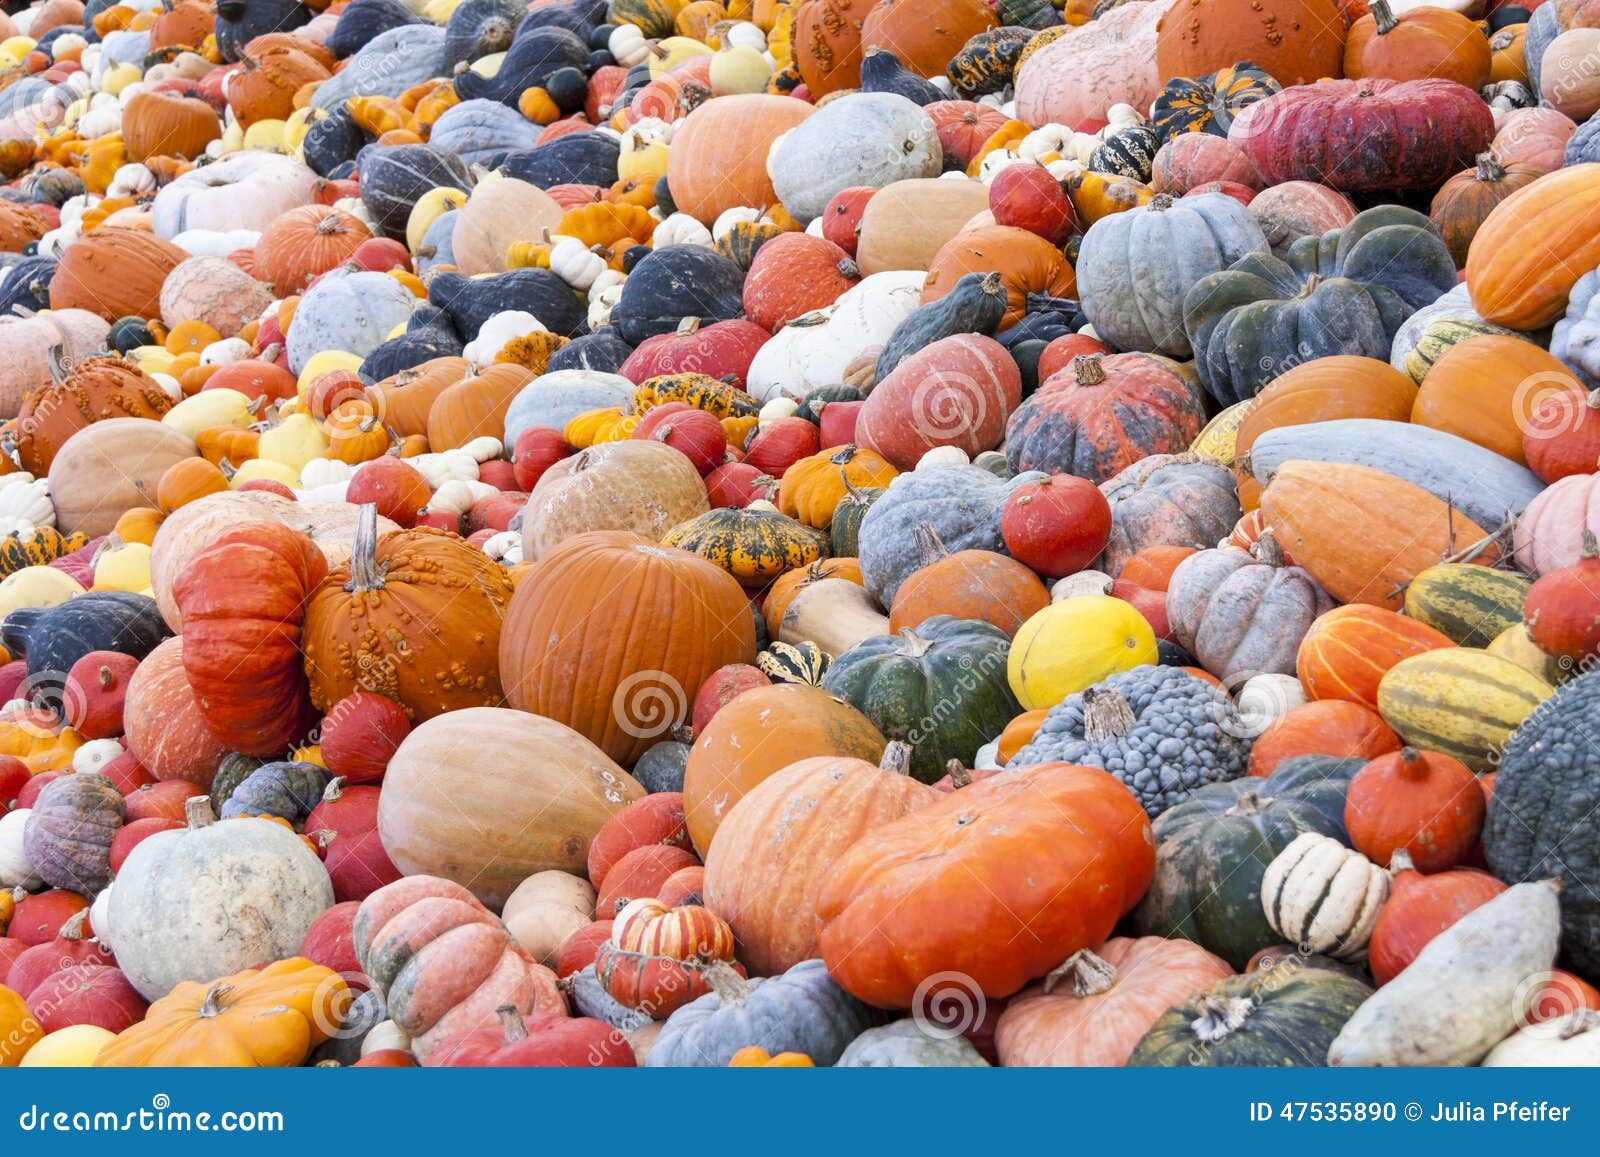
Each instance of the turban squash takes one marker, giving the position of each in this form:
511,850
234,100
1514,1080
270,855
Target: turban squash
563,656
414,616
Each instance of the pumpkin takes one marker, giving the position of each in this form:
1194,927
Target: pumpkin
371,624
85,995
1180,500
1417,44
114,273
305,242
635,485
657,958
1260,1018
1294,42
165,723
940,208
908,1044
1330,727
977,585
925,38
858,139
827,43
169,923
92,390
38,547
168,124
751,544
812,487
267,1019
68,836
1506,288
1419,908
1102,414
29,341
647,690
475,406
1346,651
1077,75
1323,896
1207,104
1097,1005
1470,604
545,1041
1193,159
499,212
1459,702
1483,389
1465,201
735,753
1421,802
957,391
961,850
489,824
21,1028
1028,266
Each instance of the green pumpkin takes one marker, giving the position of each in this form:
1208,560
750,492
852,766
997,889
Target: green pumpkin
1209,104
231,772
283,788
1030,14
844,532
941,687
754,545
1213,849
988,62
129,333
1280,1017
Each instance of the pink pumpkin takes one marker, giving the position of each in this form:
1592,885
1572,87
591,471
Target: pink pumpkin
959,391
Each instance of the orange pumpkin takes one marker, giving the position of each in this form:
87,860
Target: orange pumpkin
812,488
19,225
1294,41
784,589
718,159
1507,55
1026,262
827,44
1320,390
475,406
115,273
406,399
969,584
925,34
264,89
302,243
1486,389
1334,727
1464,201
20,1030
1418,44
1347,651
182,25
1533,247
187,480
98,388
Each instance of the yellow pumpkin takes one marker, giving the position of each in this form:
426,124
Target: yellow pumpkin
36,586
41,748
208,408
73,1047
124,566
294,441
1074,644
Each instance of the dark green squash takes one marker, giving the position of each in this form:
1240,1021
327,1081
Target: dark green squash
282,788
881,71
1129,153
233,770
941,688
988,62
26,285
52,639
1033,15
129,333
584,158
1544,819
802,1010
534,56
600,349
1212,850
395,177
1345,292
665,205
1284,1016
429,334
675,282
471,301
977,304
331,141
844,532
662,765
811,406
1209,104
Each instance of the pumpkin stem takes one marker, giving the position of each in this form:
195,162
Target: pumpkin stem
330,224
913,645
215,995
365,573
842,456
1384,17
896,757
682,733
688,326
75,928
1248,804
335,789
1313,282
228,468
849,269
1106,715
1221,1016
730,987
512,1024
324,837
992,284
930,547
1090,974
1591,548
1266,549
1411,765
1161,202
198,812
1490,169
106,678
1088,369
959,775
60,364
1401,861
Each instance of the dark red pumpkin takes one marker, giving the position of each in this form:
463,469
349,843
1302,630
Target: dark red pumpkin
538,448
723,685
345,827
1060,352
359,735
841,220
723,350
29,793
696,434
162,800
1028,197
1422,802
72,945
639,875
738,484
87,993
779,444
573,1042
38,919
394,486
94,690
579,949
330,942
795,273
126,773
1058,525
14,776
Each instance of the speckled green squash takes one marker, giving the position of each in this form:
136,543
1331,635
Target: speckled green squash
754,546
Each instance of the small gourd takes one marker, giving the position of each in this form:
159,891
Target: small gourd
1323,896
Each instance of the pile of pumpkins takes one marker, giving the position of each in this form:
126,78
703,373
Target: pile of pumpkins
799,532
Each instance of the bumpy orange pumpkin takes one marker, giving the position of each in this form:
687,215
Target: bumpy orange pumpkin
1295,41
96,388
115,273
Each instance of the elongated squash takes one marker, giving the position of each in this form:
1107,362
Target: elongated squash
1481,484
1440,336
1471,604
1361,533
1220,436
1460,702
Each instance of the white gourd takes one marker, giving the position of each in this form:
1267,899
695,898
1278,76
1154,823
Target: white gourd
95,754
1085,582
458,496
1571,1041
325,472
28,503
1264,699
506,326
483,448
446,466
575,263
740,214
15,871
505,547
681,229
628,45
1323,896
944,456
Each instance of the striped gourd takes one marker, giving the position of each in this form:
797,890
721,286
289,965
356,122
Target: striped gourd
1460,702
1437,339
1473,605
1514,644
1323,896
37,547
1218,438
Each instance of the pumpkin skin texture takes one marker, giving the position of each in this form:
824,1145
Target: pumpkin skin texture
1419,908
1511,288
925,36
68,836
740,748
561,656
856,140
544,1041
1213,850
1103,413
164,722
979,585
95,389
1484,389
826,38
803,1011
529,799
1169,500
1420,802
1028,266
872,912
1293,41
1366,135
1347,651
1241,617
1465,201
633,485
1097,1006
958,391
718,157
1325,727
87,994
1461,702
1549,535
940,208
110,467
766,867
1417,44
1079,74
374,623
1256,1019
176,916
114,273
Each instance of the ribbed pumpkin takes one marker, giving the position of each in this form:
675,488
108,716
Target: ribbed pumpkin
1534,246
1460,702
1485,389
114,273
1293,41
925,34
1418,43
612,635
305,242
476,406
637,485
812,488
741,748
765,869
1419,908
1347,651
94,389
1465,201
1320,390
414,616
168,124
164,722
718,159
967,584
1094,1008
1361,533
406,399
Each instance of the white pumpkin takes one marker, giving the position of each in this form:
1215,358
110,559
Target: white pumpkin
215,243
246,190
458,495
601,305
545,909
385,1035
28,503
862,138
628,45
500,328
95,754
483,448
1264,699
325,472
446,466
1573,1041
348,311
505,547
1321,895
681,229
15,871
575,263
1085,582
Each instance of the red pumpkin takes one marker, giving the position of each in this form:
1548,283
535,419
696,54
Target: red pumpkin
538,1042
38,919
165,724
344,825
964,126
723,685
126,773
1324,727
695,434
305,243
1190,161
792,274
738,484
359,735
721,349
938,889
394,486
685,886
94,691
538,448
1562,995
1422,802
132,835
14,775
841,220
655,819
72,945
330,942
386,1059
1058,525
159,801
1028,197
639,874
1419,908
242,599
1061,351
779,444
29,793
579,950
1562,609
958,391
87,993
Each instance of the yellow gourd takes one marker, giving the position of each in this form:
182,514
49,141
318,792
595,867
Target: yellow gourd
595,426
294,441
73,1047
266,136
124,566
264,469
322,363
429,208
739,69
219,407
1074,644
41,748
669,53
36,586
116,78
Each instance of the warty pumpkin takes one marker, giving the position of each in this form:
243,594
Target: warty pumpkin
1534,246
754,545
926,37
85,392
562,656
1293,41
827,43
114,273
415,616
